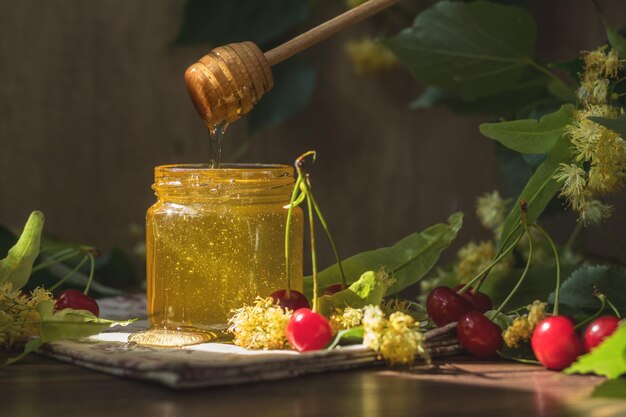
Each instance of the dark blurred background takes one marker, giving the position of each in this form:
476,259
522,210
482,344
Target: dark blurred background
92,98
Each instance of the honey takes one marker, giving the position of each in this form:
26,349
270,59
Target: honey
216,240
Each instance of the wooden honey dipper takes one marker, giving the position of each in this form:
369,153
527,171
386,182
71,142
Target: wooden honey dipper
227,83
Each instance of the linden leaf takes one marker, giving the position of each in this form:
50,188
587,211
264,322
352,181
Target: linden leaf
617,41
478,48
577,291
608,358
347,337
369,289
407,261
65,324
17,266
531,136
541,187
618,125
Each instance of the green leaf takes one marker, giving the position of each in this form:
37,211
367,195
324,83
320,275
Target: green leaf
478,48
369,289
407,261
577,291
18,264
293,88
351,336
541,187
618,125
65,324
613,388
219,22
538,284
530,135
70,324
617,41
523,95
607,359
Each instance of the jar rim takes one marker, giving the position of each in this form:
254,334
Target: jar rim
239,171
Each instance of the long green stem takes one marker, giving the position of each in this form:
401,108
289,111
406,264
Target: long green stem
555,310
491,265
602,299
61,256
92,269
519,282
69,274
498,253
344,282
615,310
312,236
294,196
575,233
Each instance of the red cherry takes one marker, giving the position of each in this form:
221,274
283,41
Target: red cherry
556,343
77,300
598,330
307,330
333,289
295,300
444,305
479,335
479,300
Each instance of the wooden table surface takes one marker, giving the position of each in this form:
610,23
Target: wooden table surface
457,387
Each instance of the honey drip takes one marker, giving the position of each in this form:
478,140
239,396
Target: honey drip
216,134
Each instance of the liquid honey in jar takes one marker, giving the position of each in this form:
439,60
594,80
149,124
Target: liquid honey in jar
215,239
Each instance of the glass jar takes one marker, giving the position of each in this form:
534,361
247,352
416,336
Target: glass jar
215,239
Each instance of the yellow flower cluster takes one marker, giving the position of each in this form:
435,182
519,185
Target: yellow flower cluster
397,338
261,325
600,66
595,146
346,319
474,257
491,210
370,57
523,327
18,316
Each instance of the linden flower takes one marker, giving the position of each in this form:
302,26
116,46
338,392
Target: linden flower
574,184
523,327
370,57
261,325
594,211
397,339
346,319
491,210
18,316
475,257
599,67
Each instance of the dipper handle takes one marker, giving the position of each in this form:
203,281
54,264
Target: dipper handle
326,30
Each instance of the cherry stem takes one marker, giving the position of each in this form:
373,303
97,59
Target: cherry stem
555,310
502,246
603,300
491,265
615,310
69,274
306,185
294,196
92,269
58,257
344,282
519,282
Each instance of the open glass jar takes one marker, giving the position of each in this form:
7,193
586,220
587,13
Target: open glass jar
215,239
